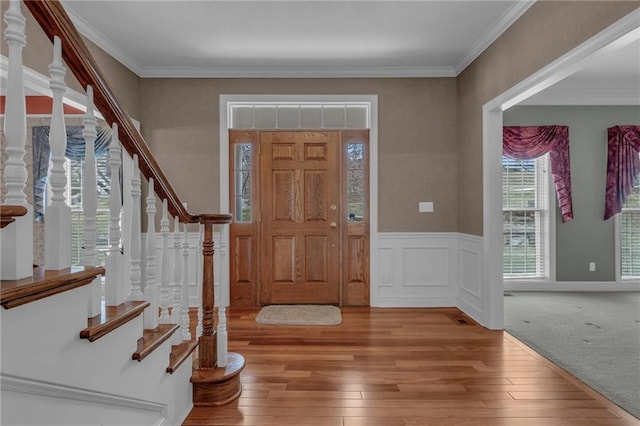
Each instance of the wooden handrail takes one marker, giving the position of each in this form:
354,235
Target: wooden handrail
8,214
54,21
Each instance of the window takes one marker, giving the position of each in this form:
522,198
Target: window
355,182
74,200
630,235
242,181
525,216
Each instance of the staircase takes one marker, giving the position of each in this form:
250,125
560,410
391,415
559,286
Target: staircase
111,343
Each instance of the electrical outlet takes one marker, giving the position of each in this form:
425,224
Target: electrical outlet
592,266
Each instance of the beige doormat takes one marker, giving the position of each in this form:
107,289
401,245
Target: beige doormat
299,315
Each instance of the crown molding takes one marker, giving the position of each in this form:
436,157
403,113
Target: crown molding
507,19
103,42
374,72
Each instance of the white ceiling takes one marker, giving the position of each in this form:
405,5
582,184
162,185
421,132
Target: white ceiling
333,38
267,38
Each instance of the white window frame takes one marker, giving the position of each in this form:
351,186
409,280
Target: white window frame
75,209
550,235
618,246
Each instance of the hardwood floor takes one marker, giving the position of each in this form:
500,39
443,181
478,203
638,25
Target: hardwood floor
399,367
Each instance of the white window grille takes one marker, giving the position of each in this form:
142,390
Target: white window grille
74,200
525,194
630,235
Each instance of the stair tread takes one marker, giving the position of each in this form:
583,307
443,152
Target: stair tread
44,283
111,318
179,353
152,339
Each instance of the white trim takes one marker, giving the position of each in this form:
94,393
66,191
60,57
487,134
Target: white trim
617,252
506,20
39,83
36,387
103,42
613,37
371,100
318,72
571,286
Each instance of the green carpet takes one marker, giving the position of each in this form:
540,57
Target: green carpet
594,336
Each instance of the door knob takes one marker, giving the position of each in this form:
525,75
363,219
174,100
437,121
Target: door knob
333,225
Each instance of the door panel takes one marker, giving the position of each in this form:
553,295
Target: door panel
300,216
301,229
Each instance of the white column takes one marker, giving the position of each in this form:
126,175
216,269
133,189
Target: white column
223,300
17,238
151,287
165,296
184,323
57,223
115,287
90,202
135,293
176,312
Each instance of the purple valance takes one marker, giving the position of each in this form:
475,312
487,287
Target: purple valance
528,142
623,166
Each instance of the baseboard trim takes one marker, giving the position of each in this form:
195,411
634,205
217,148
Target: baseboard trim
470,310
417,302
36,387
572,286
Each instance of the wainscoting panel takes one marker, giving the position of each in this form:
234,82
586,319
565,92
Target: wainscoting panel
417,270
470,298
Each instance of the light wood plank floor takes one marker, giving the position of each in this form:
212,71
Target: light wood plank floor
399,367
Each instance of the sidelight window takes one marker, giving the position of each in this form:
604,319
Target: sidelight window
355,182
243,158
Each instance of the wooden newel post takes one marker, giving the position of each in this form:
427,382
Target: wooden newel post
212,384
207,350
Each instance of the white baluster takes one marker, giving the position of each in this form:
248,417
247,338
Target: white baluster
17,238
184,323
223,301
165,297
57,224
114,264
176,312
199,278
135,293
90,202
151,288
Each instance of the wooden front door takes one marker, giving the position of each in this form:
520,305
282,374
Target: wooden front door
300,195
300,204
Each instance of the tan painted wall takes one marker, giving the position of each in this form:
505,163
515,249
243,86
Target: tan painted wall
38,54
545,32
417,140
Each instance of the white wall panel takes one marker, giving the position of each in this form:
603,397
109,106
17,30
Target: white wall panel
470,273
416,270
426,266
